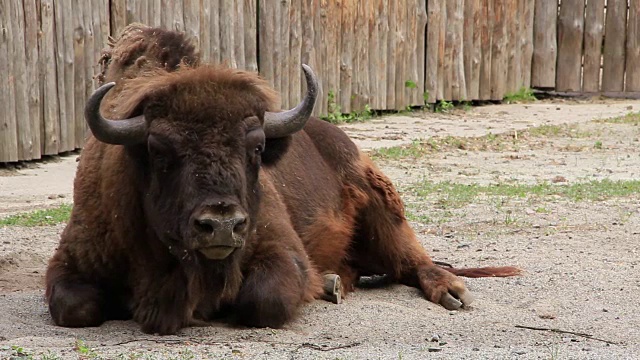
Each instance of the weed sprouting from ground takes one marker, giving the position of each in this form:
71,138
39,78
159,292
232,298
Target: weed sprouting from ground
335,115
520,96
629,119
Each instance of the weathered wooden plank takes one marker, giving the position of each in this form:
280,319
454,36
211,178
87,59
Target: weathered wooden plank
442,81
469,49
449,45
192,12
67,137
118,15
633,47
155,13
238,36
421,38
205,32
308,53
295,50
266,29
19,59
227,30
486,44
512,18
570,35
8,125
283,60
593,35
361,65
433,39
333,38
250,35
214,30
91,61
166,17
526,43
382,28
346,55
373,46
32,30
543,67
79,72
498,51
614,46
455,26
47,43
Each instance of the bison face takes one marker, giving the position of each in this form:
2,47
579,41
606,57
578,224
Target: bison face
199,142
202,188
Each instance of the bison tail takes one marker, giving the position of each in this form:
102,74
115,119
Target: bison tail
502,271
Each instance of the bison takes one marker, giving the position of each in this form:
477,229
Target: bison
204,200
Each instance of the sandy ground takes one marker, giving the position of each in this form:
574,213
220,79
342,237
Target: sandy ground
581,259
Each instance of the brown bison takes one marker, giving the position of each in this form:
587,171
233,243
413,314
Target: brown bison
204,200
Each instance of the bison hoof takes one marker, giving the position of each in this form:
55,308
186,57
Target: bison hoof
451,303
332,288
76,305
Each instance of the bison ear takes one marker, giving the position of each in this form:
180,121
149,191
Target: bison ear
274,149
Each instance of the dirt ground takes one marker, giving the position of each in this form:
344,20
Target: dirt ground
581,258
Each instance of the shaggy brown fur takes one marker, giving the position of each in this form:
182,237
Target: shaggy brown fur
323,207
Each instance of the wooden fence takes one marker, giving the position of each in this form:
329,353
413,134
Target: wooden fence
385,54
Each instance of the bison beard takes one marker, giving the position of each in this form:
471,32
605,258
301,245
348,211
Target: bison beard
193,214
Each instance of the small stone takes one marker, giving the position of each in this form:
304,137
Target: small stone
605,310
519,352
586,349
475,349
435,338
442,343
434,349
62,196
52,197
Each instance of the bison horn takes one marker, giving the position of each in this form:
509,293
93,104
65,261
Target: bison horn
281,124
117,132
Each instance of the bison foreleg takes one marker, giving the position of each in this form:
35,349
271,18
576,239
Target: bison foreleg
161,303
278,282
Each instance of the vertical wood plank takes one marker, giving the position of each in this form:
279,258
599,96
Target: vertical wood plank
295,50
455,18
526,43
47,45
214,30
238,37
308,55
250,35
373,49
633,47
614,46
468,47
283,61
420,36
155,13
266,28
79,73
227,13
32,30
333,39
118,15
593,35
382,25
205,30
19,58
543,67
8,125
498,51
346,65
90,61
361,73
570,35
192,12
433,39
442,39
166,17
447,66
513,20
486,43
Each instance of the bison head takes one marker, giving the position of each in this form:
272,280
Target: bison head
198,142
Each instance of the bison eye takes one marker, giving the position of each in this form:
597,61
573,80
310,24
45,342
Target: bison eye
259,149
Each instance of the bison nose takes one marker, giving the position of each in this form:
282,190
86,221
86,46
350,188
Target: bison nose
210,224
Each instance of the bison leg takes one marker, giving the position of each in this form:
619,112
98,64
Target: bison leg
73,301
386,244
161,302
277,283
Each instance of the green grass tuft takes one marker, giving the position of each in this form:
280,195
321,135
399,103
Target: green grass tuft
41,217
520,96
629,119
